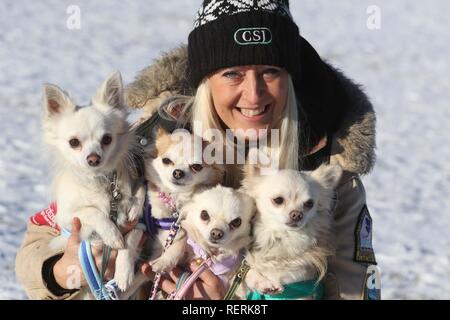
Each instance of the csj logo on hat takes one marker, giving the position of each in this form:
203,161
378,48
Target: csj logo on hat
246,36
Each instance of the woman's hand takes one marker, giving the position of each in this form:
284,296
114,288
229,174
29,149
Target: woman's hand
69,263
207,287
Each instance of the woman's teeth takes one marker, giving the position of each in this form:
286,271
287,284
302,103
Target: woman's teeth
253,112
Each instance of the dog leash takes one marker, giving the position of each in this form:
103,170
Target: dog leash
162,223
170,238
116,196
238,278
90,271
93,278
181,292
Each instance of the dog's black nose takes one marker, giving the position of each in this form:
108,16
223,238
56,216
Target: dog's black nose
178,174
296,215
216,234
93,159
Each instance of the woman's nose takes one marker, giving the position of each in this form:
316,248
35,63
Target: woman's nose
254,88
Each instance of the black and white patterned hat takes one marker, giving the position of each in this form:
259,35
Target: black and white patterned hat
242,32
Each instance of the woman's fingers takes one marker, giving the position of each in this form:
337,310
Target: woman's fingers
175,274
97,252
146,270
74,238
210,286
167,284
207,276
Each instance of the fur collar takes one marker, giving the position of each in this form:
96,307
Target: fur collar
353,145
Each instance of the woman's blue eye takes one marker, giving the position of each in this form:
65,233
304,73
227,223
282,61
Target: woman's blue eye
231,74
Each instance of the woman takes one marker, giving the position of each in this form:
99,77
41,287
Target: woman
247,67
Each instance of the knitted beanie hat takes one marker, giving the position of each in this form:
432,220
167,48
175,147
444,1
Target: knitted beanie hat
242,32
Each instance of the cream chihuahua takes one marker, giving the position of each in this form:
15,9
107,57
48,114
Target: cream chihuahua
292,228
218,224
89,144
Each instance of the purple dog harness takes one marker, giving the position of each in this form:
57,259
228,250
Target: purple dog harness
151,223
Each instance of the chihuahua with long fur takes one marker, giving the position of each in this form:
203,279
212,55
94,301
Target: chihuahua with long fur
218,225
292,227
175,171
89,144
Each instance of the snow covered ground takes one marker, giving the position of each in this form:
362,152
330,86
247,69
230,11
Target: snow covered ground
404,66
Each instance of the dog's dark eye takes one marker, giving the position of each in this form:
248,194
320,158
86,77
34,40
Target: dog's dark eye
74,142
197,167
106,140
308,204
167,161
235,223
204,215
278,201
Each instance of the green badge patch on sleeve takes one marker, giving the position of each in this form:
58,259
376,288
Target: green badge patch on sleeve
363,238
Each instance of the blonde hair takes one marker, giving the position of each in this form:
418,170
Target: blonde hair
200,109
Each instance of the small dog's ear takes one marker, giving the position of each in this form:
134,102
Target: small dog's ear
110,92
327,175
184,209
56,100
250,204
160,132
251,174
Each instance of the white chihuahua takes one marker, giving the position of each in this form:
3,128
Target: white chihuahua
218,224
93,149
292,228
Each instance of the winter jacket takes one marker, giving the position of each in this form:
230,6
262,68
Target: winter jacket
350,129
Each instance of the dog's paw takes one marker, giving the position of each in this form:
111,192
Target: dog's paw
124,279
134,215
271,289
257,282
114,240
137,208
163,264
266,286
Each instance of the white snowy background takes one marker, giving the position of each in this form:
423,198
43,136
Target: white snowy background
404,66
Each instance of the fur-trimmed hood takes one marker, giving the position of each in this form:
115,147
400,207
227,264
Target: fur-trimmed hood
353,145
